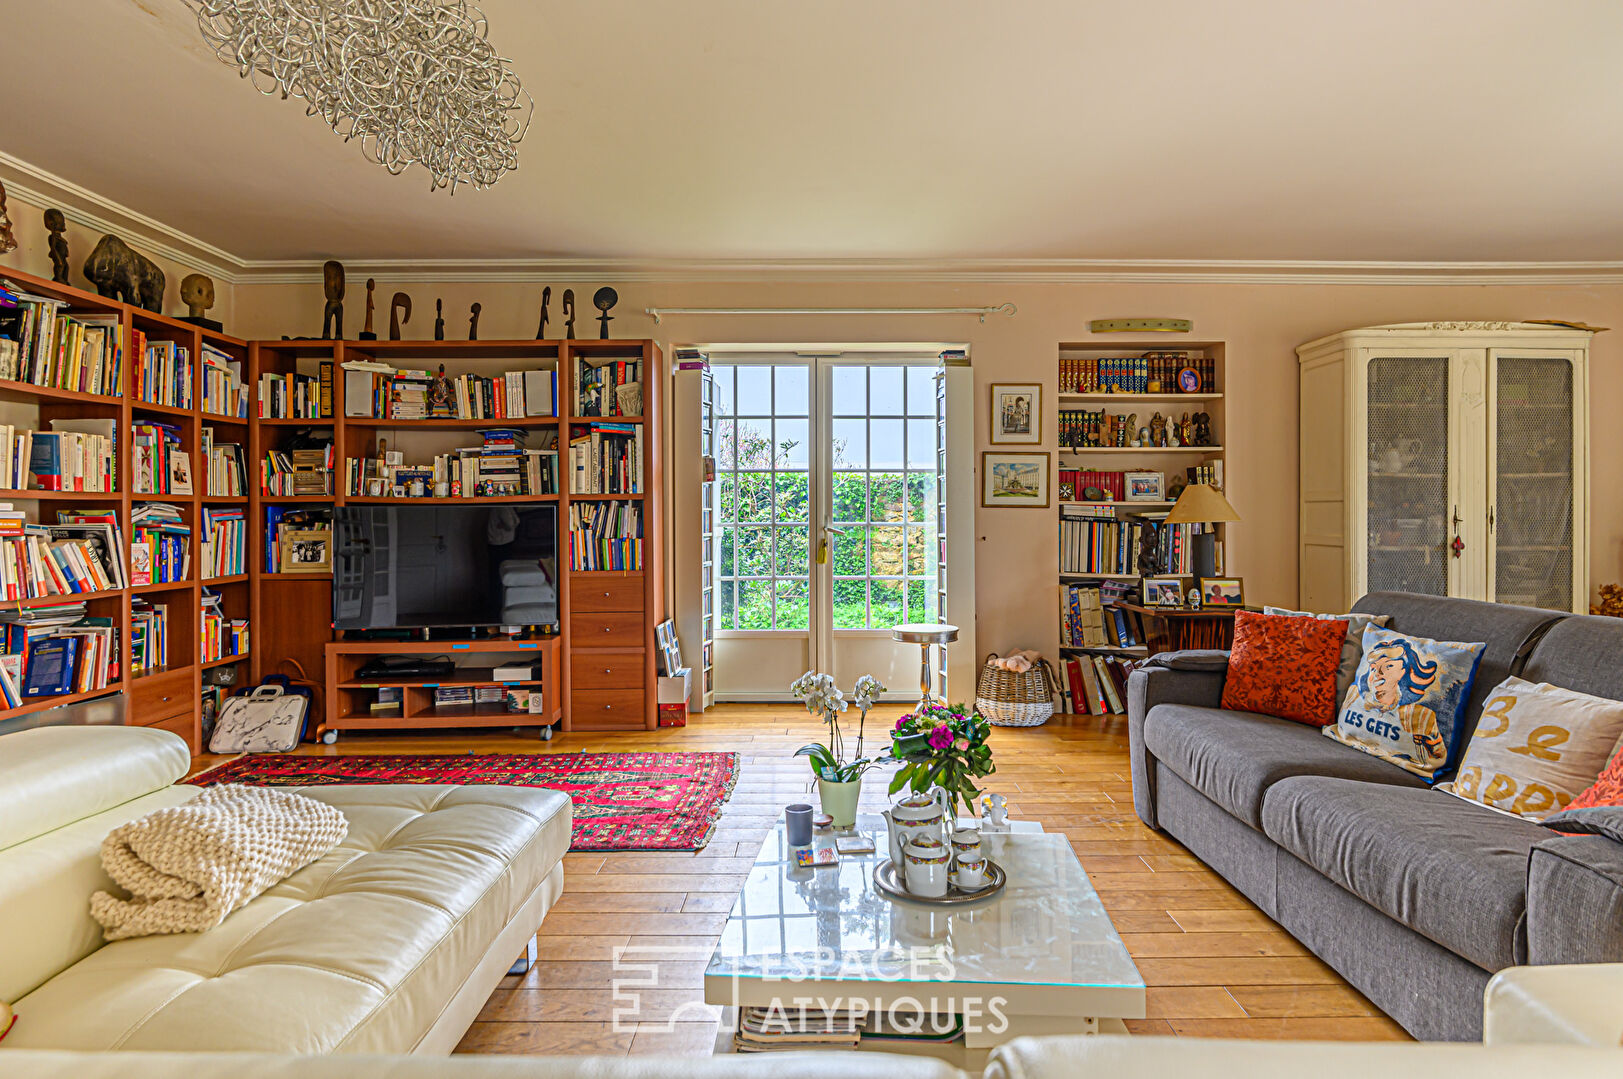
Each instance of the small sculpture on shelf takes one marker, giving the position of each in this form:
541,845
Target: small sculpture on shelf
197,293
1158,430
332,316
56,225
399,314
1186,431
546,298
604,299
8,241
367,333
1128,430
1175,488
473,321
119,271
1203,429
569,314
1146,550
439,319
440,396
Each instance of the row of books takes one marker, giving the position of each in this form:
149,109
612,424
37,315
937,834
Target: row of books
1088,619
1153,372
227,472
611,388
605,535
224,541
149,636
78,554
220,635
56,650
42,344
75,455
464,473
1091,540
296,473
158,464
376,390
280,522
296,396
160,544
163,373
1095,685
224,392
606,458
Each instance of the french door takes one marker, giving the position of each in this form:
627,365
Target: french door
828,507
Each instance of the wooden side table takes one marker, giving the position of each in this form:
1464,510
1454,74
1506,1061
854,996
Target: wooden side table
1173,629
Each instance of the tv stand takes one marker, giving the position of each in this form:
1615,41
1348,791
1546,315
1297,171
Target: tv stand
350,697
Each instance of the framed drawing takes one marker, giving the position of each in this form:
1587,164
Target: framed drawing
306,551
1014,479
1222,591
1017,413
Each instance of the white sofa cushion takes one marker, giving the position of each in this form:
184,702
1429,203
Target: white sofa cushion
360,951
51,776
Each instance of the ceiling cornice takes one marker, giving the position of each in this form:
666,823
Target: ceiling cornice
99,213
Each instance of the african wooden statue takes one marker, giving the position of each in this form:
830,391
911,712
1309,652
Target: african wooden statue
546,298
439,320
473,322
569,314
8,242
332,316
367,333
56,225
399,314
603,299
197,293
119,271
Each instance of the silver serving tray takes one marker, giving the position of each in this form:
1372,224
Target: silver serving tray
887,876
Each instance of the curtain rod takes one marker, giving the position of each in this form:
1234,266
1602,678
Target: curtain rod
657,313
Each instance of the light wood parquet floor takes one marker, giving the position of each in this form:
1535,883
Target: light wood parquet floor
1214,965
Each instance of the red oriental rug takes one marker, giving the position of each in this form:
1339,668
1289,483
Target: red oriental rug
623,801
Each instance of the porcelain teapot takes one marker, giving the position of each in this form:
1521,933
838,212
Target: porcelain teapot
924,814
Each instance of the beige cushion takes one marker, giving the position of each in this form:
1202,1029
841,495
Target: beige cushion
51,776
1536,748
358,952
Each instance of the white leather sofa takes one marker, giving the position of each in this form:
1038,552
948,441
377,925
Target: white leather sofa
388,944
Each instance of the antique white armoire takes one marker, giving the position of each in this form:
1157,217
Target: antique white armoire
1446,458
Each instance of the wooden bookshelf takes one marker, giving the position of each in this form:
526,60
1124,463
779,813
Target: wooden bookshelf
1171,461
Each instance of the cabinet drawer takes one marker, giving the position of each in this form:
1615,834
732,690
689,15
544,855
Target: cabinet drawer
606,670
181,725
162,696
606,629
608,593
607,709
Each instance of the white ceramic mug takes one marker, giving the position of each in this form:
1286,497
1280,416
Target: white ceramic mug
969,874
926,861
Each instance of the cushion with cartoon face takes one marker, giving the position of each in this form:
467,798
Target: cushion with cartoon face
1407,703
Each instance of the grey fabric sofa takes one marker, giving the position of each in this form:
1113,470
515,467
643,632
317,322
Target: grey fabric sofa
1414,896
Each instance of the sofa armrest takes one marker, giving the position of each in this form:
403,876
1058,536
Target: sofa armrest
1561,1005
1147,687
1575,901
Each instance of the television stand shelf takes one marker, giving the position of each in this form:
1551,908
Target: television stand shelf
351,697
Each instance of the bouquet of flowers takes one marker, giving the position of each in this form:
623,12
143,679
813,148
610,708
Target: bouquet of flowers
824,700
944,746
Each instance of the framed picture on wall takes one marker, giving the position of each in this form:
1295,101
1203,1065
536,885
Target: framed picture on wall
1017,413
1014,479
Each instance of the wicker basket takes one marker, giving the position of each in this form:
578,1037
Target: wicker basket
1016,698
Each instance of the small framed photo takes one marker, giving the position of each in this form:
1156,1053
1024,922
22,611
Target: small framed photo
306,551
1014,479
1017,416
1221,591
1144,486
1163,592
1189,380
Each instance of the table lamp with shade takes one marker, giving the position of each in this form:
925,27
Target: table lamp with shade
1201,503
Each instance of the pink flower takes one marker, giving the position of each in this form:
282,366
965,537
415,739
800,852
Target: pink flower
940,738
904,721
961,744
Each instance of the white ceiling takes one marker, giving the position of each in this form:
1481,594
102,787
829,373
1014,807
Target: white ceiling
1402,130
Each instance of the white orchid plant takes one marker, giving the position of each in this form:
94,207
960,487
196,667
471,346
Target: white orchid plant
824,700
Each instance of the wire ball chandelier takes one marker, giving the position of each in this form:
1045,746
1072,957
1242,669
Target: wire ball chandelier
414,81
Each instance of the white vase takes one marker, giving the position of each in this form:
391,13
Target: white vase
840,800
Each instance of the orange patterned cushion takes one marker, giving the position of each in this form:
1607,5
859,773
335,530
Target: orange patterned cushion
1284,667
1605,791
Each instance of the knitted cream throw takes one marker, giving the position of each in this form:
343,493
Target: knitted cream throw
190,865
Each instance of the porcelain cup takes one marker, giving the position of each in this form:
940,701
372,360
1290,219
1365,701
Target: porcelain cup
969,874
926,862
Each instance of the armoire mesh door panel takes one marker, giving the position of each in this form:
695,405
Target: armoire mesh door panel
1408,475
1532,523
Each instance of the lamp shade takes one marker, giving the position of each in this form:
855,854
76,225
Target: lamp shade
1201,503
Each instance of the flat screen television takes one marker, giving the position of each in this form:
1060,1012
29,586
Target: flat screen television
443,566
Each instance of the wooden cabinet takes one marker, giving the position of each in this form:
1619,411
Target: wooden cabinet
1445,458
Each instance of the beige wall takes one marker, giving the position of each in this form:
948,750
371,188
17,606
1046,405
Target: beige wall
1016,549
33,256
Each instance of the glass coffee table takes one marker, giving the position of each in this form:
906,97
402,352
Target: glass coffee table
1039,957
